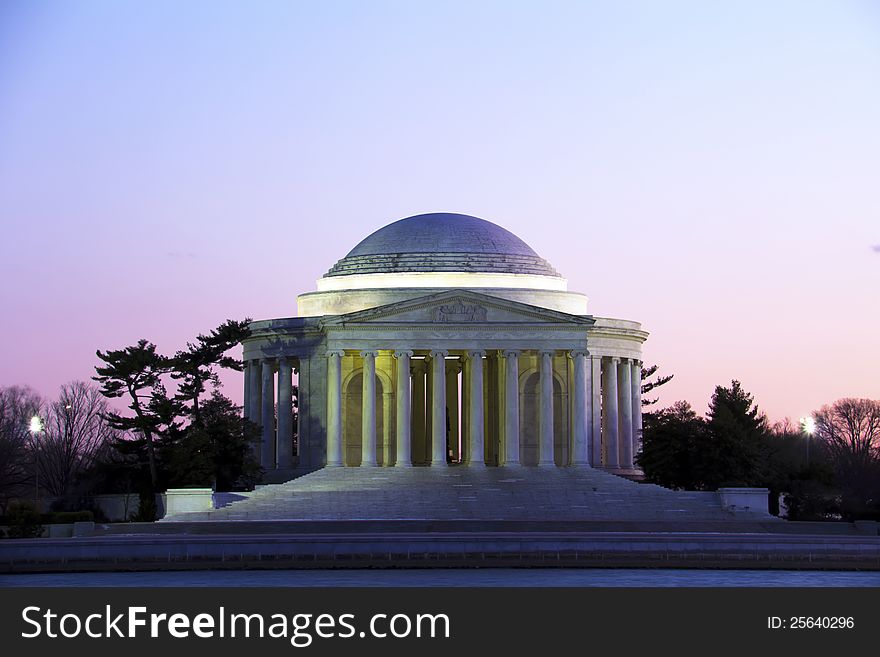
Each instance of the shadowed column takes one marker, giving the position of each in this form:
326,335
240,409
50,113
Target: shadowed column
595,374
310,429
404,410
475,400
267,456
438,408
386,438
511,408
284,435
609,407
624,402
256,409
334,408
246,406
368,416
453,367
581,446
636,406
546,437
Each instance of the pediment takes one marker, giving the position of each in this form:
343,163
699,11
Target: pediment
457,307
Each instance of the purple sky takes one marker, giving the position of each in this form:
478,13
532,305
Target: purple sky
712,171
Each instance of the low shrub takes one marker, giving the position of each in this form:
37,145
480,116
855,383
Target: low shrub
23,521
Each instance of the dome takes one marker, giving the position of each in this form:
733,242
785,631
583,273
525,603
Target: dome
442,242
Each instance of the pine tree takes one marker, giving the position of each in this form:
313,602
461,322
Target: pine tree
171,432
137,371
648,385
196,366
670,454
218,452
738,432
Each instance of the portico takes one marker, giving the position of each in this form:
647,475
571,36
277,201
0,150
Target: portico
468,396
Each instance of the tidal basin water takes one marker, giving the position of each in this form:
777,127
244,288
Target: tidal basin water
455,577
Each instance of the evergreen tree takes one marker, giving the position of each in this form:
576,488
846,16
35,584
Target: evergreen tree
738,433
196,366
672,440
136,371
648,385
219,452
682,450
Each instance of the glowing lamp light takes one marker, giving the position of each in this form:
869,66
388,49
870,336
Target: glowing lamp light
808,425
36,425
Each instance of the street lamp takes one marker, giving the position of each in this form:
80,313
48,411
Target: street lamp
36,426
808,426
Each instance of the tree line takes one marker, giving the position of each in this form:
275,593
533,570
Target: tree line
180,429
828,469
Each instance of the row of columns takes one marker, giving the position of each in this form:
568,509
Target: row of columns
622,420
276,442
620,424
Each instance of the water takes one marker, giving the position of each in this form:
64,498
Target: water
456,577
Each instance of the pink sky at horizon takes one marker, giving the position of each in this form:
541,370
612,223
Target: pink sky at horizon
711,172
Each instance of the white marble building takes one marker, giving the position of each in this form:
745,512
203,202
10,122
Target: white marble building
444,340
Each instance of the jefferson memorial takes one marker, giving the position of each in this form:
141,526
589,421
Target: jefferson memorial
443,341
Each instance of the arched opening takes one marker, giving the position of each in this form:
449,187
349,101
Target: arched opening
530,420
352,412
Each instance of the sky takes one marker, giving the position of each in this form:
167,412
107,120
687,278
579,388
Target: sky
709,169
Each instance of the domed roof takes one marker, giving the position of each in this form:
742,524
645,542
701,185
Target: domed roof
442,241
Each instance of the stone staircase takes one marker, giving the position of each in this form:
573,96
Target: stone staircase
466,493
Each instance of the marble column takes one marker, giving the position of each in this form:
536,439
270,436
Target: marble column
387,438
580,453
284,437
404,410
311,441
637,405
596,409
624,404
453,367
419,423
438,407
546,409
267,456
335,456
476,422
465,410
609,405
368,414
246,406
429,409
511,408
256,399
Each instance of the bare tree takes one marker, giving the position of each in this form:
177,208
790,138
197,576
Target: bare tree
18,404
851,430
76,434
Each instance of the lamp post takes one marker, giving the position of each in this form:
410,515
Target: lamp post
808,426
36,426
